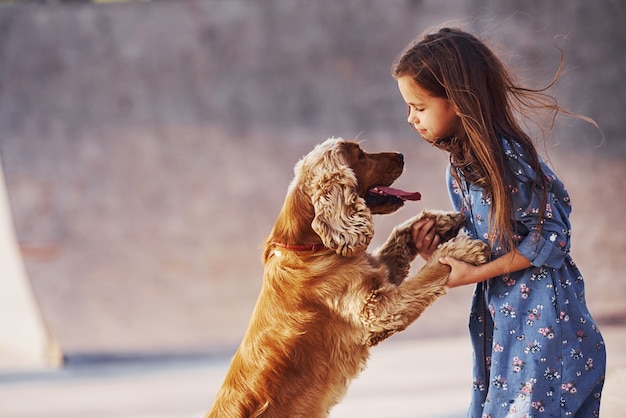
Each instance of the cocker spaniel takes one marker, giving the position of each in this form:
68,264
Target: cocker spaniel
325,300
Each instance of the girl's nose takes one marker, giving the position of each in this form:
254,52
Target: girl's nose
412,121
411,117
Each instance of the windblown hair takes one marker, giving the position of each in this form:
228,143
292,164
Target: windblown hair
457,66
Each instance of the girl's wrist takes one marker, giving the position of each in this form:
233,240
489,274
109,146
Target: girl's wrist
483,272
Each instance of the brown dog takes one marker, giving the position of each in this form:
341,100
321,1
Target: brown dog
325,300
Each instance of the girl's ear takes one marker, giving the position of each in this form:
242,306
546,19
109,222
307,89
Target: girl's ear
455,108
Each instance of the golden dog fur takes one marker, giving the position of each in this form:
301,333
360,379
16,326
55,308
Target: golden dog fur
325,300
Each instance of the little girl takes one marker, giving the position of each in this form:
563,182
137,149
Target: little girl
537,350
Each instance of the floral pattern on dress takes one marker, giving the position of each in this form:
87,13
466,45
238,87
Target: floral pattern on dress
537,350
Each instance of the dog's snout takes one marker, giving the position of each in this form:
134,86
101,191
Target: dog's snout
400,156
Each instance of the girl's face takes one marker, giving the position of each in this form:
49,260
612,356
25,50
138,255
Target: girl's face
432,117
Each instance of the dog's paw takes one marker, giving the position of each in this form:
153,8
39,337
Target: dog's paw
406,227
466,249
447,223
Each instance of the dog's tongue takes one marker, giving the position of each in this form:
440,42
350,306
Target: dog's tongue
401,194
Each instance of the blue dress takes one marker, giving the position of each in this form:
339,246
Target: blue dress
537,350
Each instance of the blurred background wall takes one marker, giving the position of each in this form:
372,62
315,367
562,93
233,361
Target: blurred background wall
147,147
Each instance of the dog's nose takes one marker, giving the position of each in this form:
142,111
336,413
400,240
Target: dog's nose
400,156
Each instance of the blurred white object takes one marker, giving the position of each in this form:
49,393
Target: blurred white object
24,338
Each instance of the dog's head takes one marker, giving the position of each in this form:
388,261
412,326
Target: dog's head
347,186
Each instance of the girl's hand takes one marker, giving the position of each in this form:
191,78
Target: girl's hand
462,273
425,237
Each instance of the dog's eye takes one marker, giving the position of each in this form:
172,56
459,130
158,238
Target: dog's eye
361,155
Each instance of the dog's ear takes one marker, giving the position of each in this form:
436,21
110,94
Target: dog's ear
342,219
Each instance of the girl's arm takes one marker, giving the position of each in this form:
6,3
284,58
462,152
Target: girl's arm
464,273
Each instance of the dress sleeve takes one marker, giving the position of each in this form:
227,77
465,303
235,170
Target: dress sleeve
550,244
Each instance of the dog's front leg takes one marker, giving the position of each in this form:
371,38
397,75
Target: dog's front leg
390,309
399,250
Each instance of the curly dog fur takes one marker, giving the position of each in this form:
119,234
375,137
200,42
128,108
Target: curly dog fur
325,300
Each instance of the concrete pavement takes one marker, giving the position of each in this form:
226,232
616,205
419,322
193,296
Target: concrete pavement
405,378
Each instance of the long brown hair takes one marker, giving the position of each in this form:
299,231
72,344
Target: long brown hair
457,66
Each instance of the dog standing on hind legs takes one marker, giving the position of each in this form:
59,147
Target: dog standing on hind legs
325,300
